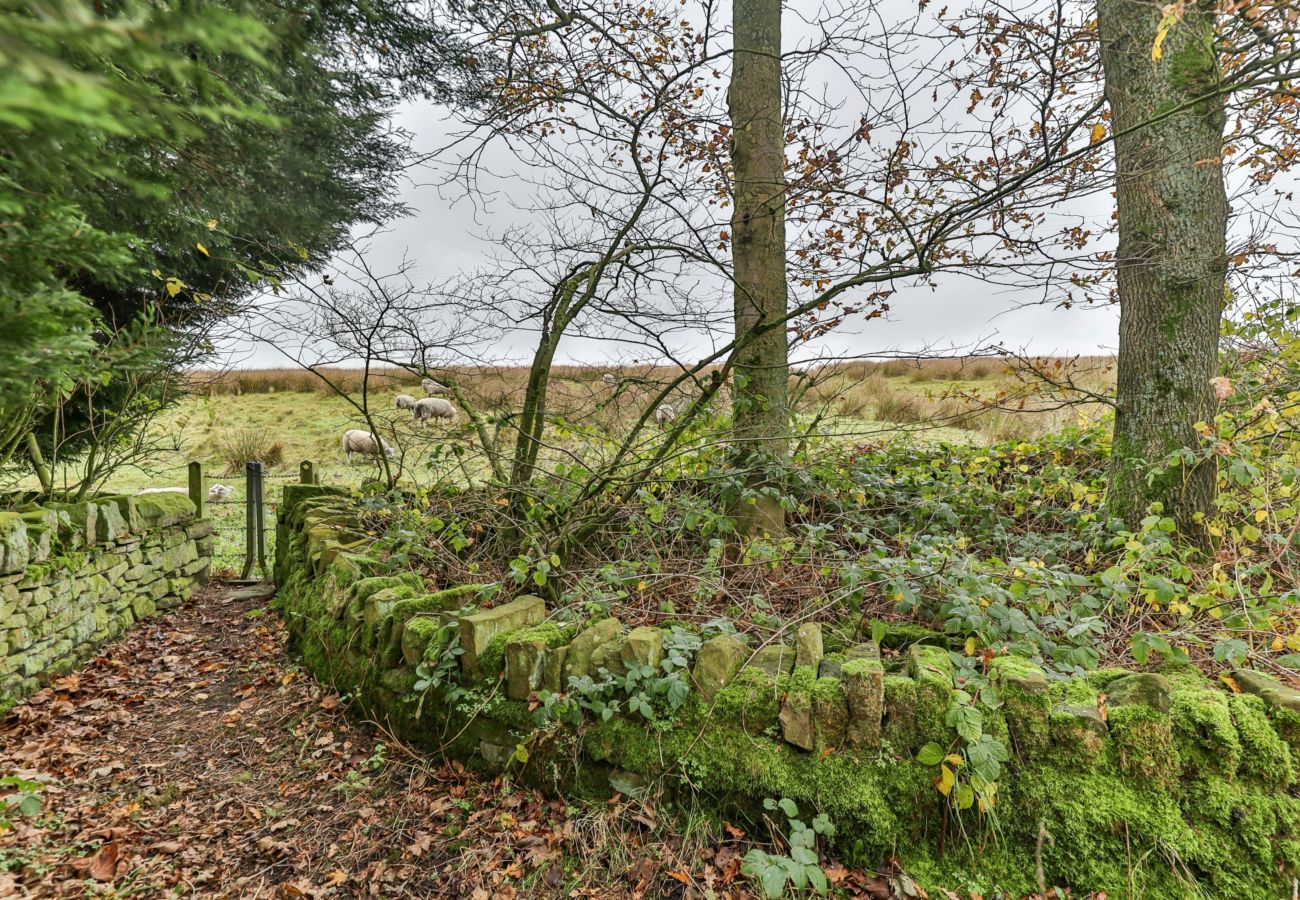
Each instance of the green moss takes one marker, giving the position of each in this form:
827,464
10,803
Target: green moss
1144,743
1024,692
1204,735
751,701
1265,757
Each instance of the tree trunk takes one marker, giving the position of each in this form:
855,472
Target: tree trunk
1171,265
760,407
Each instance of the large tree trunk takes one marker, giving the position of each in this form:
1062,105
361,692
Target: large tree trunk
760,405
1173,213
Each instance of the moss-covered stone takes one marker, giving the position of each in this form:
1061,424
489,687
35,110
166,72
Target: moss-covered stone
643,646
1023,688
808,646
1265,757
864,692
163,510
478,630
1147,688
14,552
1078,735
773,660
417,636
718,659
1144,742
525,663
752,700
1204,735
578,662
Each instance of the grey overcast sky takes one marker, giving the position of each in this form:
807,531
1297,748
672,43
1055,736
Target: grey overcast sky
445,235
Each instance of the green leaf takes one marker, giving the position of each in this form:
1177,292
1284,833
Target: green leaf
817,878
773,880
788,807
930,755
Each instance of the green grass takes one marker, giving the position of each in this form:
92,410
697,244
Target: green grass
309,425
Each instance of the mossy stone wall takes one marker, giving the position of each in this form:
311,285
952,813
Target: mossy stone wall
1151,785
74,575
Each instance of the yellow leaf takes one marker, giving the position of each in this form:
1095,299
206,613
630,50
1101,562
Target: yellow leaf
955,760
1261,515
173,287
212,224
945,781
203,249
1098,133
1278,643
970,646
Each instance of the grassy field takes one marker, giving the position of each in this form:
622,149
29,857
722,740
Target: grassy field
284,416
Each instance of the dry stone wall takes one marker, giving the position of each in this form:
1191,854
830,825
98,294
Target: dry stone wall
74,575
1194,779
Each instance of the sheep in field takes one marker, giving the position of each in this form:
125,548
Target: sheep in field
433,388
220,493
609,378
434,408
357,441
404,401
665,415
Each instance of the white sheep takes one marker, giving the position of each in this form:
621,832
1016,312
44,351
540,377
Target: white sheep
609,378
665,415
433,388
220,493
357,441
434,408
404,401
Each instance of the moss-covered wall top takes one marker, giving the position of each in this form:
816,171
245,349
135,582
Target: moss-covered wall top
1139,784
73,575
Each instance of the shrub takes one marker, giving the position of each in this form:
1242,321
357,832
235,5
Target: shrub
902,409
238,448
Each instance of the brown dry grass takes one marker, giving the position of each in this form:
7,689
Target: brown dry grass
919,391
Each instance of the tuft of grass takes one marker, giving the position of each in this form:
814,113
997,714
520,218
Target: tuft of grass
238,448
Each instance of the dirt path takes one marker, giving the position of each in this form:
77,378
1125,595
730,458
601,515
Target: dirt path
193,758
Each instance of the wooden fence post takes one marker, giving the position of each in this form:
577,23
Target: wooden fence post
198,494
307,472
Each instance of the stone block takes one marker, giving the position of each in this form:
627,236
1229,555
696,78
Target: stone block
774,659
582,649
644,646
808,649
608,656
718,659
109,524
814,714
525,665
864,690
1022,686
478,630
14,551
163,510
78,523
553,669
1146,688
127,510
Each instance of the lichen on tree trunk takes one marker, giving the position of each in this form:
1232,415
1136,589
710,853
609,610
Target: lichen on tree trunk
761,405
1171,263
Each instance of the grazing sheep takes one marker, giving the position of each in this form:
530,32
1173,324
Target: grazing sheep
405,401
434,408
357,441
433,388
665,415
609,378
220,493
